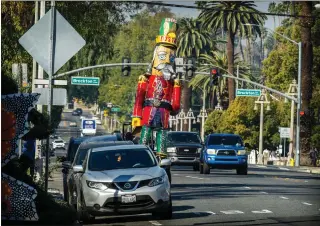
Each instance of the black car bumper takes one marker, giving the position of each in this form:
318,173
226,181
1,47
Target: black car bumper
182,160
119,209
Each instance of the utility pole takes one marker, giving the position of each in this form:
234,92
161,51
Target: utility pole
40,69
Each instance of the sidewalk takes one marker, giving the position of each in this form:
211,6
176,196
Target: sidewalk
303,169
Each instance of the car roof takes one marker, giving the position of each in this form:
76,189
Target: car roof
224,134
109,137
182,132
88,144
78,139
121,147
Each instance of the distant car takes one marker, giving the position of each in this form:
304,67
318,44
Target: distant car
73,124
125,179
223,151
79,110
59,143
75,113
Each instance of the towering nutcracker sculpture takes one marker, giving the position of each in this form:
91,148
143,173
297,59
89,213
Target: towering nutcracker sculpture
158,91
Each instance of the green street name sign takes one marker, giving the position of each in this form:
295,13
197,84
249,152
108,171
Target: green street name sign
248,92
115,109
86,81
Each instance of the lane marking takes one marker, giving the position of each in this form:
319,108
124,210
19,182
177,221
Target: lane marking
232,212
305,181
155,222
306,203
176,174
247,187
283,168
263,192
261,166
261,211
283,197
210,212
194,177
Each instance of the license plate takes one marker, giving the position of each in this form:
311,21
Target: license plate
128,198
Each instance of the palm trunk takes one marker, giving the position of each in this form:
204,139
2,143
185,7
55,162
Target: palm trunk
306,89
230,56
241,50
185,99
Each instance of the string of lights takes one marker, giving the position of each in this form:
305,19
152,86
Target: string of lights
225,10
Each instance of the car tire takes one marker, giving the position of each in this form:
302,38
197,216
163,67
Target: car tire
83,215
196,167
165,214
242,171
206,168
201,168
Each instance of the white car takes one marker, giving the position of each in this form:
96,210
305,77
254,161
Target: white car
124,179
59,143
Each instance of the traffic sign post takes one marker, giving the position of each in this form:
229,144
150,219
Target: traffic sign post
87,81
115,109
248,92
284,132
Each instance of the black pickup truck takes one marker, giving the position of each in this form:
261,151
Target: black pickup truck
183,148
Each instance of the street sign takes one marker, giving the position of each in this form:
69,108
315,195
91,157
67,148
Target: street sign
248,92
60,96
87,81
36,42
109,105
24,75
284,132
46,82
179,63
115,109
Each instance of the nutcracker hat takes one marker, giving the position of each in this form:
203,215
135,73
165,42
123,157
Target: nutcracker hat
167,33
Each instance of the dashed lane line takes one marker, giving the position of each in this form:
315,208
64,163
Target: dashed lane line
194,177
306,203
247,187
232,212
284,168
176,174
210,212
261,211
155,223
263,192
282,197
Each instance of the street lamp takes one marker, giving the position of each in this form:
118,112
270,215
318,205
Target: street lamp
292,91
203,115
190,116
182,117
262,99
297,162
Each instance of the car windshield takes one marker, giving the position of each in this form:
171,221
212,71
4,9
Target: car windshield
183,138
81,156
58,141
121,159
225,140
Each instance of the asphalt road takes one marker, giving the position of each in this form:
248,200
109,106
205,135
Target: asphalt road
265,196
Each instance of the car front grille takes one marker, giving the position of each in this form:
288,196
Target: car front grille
190,153
121,185
115,203
226,153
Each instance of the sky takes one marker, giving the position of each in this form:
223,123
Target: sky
262,6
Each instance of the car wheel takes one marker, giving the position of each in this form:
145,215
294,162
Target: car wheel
206,168
83,215
201,168
165,214
242,171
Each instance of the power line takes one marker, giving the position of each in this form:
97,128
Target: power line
219,10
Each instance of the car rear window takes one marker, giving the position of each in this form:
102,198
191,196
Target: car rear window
225,140
184,138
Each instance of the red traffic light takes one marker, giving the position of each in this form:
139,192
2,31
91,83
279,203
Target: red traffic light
302,113
214,71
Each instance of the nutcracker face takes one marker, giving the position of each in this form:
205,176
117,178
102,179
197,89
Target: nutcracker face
163,61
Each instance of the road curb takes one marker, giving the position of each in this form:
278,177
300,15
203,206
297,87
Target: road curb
310,171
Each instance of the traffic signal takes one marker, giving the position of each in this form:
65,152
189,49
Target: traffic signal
126,68
214,76
191,67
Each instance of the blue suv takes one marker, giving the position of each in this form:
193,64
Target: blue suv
223,151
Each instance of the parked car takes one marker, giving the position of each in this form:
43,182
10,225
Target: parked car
183,148
58,143
74,144
223,151
79,110
124,179
80,155
73,124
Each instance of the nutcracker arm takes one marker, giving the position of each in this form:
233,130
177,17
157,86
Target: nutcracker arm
176,96
140,96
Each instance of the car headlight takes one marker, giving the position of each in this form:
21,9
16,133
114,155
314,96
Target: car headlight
171,149
97,185
241,152
157,181
211,151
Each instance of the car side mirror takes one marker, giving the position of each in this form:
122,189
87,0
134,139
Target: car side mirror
165,162
78,169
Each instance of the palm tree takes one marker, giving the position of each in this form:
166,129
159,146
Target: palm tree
217,59
218,14
192,40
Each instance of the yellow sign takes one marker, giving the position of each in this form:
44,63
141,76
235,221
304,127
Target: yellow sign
105,114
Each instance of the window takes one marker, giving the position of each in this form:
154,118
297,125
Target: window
184,138
81,156
225,140
58,141
121,159
72,150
